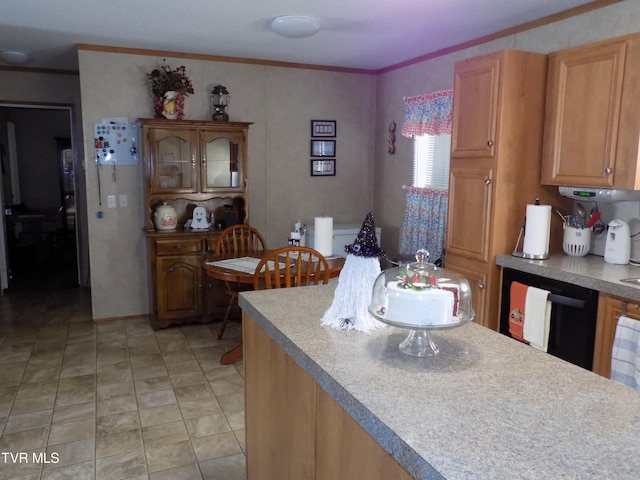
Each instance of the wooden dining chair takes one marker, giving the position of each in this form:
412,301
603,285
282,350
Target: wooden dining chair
291,267
237,241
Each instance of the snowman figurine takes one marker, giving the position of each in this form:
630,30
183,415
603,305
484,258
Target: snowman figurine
199,220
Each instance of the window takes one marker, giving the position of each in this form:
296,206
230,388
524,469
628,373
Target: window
431,161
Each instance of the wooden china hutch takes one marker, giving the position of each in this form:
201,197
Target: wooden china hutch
188,164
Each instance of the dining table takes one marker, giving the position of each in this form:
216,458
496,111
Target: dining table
240,269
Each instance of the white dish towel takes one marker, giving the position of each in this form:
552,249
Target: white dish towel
537,318
625,355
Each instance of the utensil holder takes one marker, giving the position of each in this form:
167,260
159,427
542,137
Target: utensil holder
576,241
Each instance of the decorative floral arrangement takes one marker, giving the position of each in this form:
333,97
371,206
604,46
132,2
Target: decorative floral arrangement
163,79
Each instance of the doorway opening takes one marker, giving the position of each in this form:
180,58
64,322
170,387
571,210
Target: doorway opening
37,191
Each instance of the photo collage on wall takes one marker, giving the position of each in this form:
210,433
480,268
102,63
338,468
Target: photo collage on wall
323,148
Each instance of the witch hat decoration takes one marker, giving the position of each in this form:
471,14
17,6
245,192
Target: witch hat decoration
349,309
366,242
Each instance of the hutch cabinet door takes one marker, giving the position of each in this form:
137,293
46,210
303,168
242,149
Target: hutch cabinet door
475,107
179,286
222,156
172,160
583,115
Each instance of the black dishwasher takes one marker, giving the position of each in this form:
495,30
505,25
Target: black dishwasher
574,311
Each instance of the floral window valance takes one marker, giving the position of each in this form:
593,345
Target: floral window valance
428,114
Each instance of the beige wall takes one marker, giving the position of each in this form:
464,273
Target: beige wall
392,171
281,102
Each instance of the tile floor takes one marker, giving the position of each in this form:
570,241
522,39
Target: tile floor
114,400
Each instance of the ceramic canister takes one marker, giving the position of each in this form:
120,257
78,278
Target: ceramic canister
165,218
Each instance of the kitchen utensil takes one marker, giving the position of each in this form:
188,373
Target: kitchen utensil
582,213
572,220
564,220
593,219
617,248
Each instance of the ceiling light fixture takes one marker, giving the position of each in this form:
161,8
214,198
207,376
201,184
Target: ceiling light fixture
14,57
295,26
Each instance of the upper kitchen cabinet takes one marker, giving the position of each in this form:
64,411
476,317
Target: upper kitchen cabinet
476,86
592,119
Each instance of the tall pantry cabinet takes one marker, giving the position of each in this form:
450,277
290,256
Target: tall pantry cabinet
496,141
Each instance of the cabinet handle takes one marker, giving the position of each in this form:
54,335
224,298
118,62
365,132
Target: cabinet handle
193,161
608,170
481,286
178,247
199,285
487,181
490,143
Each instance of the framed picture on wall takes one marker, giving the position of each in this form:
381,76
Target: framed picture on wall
323,148
323,168
323,128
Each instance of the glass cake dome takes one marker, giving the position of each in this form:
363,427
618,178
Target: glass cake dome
421,297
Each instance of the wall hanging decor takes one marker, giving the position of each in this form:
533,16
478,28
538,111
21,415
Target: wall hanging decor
392,138
323,168
169,88
323,148
323,128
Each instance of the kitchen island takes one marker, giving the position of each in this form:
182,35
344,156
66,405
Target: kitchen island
486,407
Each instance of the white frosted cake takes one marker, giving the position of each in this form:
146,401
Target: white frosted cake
420,306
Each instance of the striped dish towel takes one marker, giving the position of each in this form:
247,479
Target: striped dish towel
625,355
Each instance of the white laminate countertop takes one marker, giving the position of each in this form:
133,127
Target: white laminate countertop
589,271
487,407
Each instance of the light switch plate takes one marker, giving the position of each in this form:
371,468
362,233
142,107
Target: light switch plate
111,201
123,201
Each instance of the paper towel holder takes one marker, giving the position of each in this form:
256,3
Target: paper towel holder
528,256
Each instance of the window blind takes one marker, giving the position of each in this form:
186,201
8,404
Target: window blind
431,161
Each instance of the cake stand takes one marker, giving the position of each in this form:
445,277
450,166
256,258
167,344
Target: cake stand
419,342
416,293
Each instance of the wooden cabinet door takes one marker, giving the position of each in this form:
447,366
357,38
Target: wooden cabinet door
479,283
171,162
475,107
609,309
179,290
584,95
469,214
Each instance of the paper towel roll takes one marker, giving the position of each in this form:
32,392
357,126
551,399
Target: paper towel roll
234,179
537,230
323,235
